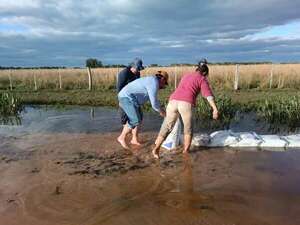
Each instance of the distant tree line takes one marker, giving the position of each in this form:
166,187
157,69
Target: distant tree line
95,63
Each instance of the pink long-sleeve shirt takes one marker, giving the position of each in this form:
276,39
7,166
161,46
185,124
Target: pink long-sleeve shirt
190,86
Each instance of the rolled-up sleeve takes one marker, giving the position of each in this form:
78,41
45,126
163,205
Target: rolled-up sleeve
205,88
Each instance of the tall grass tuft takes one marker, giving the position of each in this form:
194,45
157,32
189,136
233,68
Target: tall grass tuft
227,111
10,105
283,110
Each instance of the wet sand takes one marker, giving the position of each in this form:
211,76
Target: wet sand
87,179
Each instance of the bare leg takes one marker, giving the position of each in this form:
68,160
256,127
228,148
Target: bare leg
122,138
187,142
135,135
155,152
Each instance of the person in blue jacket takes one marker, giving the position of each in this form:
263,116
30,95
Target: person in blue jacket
137,93
127,75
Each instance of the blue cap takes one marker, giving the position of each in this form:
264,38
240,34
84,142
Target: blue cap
202,61
138,64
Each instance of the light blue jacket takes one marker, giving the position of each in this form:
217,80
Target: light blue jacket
141,90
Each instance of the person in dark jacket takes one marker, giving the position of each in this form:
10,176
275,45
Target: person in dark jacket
127,75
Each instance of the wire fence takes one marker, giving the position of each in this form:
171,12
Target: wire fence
233,77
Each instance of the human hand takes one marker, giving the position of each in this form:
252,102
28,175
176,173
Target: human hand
162,113
215,114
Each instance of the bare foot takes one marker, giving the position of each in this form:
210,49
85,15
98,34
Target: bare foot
135,143
123,143
185,151
155,153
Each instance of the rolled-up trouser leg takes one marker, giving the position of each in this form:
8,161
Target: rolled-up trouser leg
123,116
132,111
170,119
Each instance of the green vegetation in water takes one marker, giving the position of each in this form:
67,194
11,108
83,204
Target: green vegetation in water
10,108
275,106
281,110
227,111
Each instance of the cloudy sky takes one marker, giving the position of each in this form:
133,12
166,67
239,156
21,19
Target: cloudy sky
67,32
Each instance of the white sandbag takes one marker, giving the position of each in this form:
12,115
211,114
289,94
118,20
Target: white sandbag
293,140
200,140
173,139
247,139
222,138
272,141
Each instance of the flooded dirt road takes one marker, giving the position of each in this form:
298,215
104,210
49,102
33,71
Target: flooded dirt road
82,176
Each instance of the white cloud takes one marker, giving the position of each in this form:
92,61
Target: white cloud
19,4
157,30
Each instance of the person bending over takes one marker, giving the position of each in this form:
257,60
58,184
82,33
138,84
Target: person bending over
181,102
136,94
127,75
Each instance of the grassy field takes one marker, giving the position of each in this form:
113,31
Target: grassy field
109,97
275,99
275,105
260,76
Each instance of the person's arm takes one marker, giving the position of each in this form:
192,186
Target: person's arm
212,104
153,97
207,92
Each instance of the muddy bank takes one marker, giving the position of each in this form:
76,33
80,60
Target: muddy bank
88,179
66,167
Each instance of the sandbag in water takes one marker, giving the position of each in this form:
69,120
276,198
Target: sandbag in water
222,138
293,140
247,139
173,139
272,141
200,140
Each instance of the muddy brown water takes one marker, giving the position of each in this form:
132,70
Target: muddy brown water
64,167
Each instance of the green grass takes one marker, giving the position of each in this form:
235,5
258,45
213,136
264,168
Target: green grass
9,104
276,106
227,110
281,110
10,108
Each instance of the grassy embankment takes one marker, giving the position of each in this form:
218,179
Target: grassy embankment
267,89
69,86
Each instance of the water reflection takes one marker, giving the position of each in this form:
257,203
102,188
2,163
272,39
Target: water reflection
10,120
70,119
76,119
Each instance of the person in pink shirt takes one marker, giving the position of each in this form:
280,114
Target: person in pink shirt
181,102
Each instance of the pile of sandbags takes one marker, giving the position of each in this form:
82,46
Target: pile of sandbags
227,138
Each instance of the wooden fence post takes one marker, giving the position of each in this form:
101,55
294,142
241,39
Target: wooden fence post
34,80
90,78
117,74
10,79
236,77
60,80
175,77
271,76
